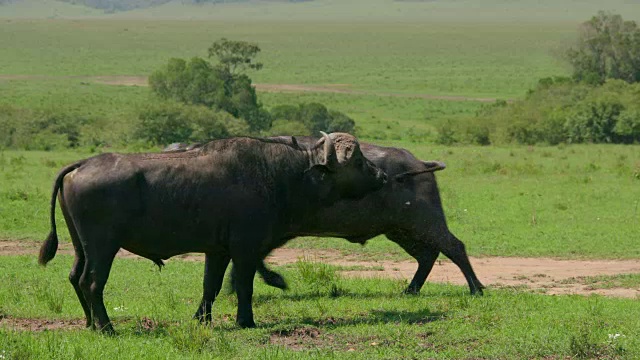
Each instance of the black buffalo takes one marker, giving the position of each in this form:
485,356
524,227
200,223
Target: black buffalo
233,199
408,210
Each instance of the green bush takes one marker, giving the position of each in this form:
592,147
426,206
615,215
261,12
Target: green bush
315,117
165,123
45,129
557,111
593,121
288,127
628,125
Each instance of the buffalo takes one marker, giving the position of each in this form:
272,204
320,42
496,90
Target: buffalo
232,199
408,210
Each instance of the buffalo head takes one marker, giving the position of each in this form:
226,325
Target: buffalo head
342,171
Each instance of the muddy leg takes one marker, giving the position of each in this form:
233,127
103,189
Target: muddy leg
455,250
214,267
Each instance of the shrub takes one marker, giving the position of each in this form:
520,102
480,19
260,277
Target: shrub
288,127
447,133
165,123
46,129
556,111
593,121
627,127
315,117
340,122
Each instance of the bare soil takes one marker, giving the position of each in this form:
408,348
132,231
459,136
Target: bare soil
134,80
41,324
299,338
550,276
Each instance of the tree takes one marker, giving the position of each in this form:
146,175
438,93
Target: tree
197,82
608,47
235,56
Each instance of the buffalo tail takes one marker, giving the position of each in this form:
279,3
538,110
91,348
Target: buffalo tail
50,246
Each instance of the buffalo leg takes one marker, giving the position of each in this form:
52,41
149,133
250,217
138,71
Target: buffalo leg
74,278
455,250
92,282
78,265
245,272
425,264
214,268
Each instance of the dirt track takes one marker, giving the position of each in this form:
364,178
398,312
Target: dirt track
545,275
128,80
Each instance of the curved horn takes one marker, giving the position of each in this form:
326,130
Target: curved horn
330,158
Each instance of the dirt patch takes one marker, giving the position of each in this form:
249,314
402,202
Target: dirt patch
121,80
300,338
41,324
133,80
544,275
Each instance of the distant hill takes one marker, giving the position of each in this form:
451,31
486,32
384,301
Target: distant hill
486,11
124,5
117,5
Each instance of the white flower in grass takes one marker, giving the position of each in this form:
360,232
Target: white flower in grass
615,336
119,308
2,354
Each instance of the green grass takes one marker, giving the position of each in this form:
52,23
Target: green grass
482,59
366,318
626,281
566,202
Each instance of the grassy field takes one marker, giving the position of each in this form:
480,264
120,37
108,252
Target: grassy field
432,58
322,316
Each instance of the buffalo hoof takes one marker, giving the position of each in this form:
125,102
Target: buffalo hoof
108,330
246,324
411,291
477,292
205,319
200,318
